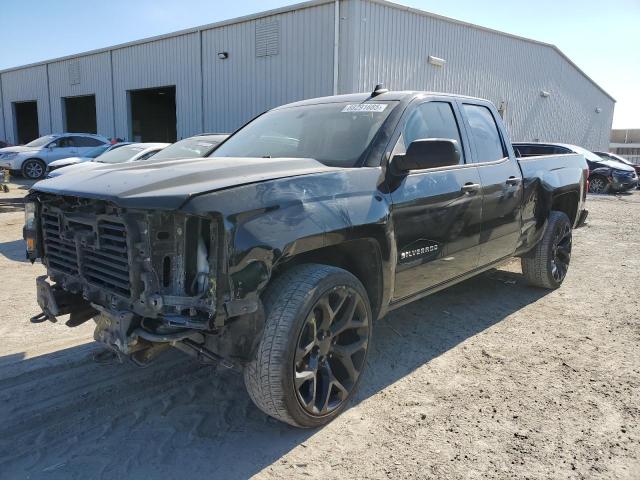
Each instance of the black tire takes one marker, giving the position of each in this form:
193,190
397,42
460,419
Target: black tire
292,304
599,184
34,169
547,264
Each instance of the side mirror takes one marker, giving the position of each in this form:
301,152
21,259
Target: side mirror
428,153
52,146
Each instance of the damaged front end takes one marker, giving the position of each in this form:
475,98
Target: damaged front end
149,278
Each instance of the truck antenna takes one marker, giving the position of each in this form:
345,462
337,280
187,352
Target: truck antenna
379,90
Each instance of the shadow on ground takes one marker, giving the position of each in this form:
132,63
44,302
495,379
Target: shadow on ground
10,204
69,417
13,250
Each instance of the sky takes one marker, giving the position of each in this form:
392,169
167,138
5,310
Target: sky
600,37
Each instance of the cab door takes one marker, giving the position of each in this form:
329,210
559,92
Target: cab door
502,183
436,213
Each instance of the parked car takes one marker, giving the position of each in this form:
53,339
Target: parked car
604,175
31,160
618,158
277,253
131,152
192,147
87,156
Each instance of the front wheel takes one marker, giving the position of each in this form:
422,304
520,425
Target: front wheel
598,184
314,347
547,264
33,169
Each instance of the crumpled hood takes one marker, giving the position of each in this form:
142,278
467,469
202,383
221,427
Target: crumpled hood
68,161
167,185
616,165
78,166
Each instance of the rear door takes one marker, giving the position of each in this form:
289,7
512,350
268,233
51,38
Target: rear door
501,180
85,144
436,212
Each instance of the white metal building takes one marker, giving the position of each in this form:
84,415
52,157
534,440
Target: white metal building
216,77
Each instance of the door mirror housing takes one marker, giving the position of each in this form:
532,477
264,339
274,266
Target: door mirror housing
428,153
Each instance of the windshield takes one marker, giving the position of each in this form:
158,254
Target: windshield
119,155
94,152
336,134
187,148
41,142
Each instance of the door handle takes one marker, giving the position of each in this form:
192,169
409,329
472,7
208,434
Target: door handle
512,181
470,187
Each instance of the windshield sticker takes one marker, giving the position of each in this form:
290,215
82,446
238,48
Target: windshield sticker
204,144
365,107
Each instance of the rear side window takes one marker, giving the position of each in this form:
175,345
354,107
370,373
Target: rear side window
534,150
430,120
147,155
484,132
86,142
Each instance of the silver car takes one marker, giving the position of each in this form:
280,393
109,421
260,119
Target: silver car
128,153
31,160
86,157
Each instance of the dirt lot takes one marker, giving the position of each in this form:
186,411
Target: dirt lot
490,379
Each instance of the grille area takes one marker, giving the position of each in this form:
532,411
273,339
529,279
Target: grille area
61,253
108,265
96,253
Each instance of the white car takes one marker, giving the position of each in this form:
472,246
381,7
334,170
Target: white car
88,156
31,160
129,153
193,147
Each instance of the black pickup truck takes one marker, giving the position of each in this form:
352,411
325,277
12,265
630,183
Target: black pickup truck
276,254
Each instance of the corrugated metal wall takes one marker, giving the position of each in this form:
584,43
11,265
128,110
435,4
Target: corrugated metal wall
245,84
94,78
171,61
379,42
23,85
386,43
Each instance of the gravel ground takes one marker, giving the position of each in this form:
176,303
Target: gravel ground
489,379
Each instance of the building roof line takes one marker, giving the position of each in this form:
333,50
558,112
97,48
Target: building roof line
292,8
424,13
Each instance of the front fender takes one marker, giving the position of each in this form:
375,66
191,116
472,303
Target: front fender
269,222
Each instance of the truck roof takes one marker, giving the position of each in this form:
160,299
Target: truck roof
385,96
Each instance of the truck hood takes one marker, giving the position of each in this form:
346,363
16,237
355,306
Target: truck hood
168,184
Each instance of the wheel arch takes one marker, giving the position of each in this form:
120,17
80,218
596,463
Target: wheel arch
566,202
362,257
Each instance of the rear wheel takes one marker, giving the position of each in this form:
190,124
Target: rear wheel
598,184
547,265
33,169
314,347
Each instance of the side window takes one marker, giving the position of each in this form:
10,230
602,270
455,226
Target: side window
485,133
86,142
535,150
147,155
65,142
558,150
430,120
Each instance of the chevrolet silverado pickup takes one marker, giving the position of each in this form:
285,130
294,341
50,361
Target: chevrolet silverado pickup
276,254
